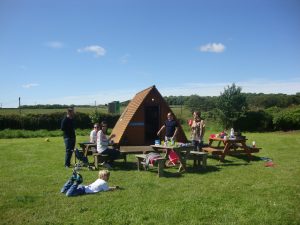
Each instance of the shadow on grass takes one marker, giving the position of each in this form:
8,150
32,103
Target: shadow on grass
233,164
125,166
208,169
167,174
245,157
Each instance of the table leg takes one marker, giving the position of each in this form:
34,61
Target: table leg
86,149
182,161
225,151
248,153
204,160
96,161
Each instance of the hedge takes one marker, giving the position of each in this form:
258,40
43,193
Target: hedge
255,121
51,121
288,119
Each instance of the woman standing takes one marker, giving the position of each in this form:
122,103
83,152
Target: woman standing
197,131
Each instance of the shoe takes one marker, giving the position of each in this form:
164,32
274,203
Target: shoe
78,179
106,165
74,176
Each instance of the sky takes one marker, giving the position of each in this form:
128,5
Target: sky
98,51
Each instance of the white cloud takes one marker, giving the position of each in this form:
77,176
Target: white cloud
125,59
96,49
212,47
30,85
55,44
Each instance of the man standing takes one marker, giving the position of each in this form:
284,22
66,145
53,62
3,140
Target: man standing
67,126
171,127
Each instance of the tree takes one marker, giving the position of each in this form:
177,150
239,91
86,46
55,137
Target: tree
193,103
231,105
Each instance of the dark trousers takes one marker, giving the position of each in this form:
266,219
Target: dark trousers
69,144
72,189
79,155
197,145
112,154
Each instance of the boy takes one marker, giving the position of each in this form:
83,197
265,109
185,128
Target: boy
72,187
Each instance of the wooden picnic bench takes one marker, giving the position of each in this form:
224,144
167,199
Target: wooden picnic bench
231,146
160,164
185,153
124,151
199,158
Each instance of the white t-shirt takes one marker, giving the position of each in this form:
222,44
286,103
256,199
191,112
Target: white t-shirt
97,186
93,136
102,141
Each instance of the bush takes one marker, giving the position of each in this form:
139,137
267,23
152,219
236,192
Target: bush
254,121
288,119
98,117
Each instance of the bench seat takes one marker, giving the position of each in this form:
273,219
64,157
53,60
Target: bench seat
213,150
159,161
219,151
100,158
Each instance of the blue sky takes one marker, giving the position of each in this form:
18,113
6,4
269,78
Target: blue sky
82,51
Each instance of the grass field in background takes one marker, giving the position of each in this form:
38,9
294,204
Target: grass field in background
5,111
234,192
178,110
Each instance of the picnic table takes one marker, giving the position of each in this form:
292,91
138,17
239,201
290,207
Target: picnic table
229,146
178,150
90,148
87,147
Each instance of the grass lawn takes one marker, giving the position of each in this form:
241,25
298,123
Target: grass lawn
234,192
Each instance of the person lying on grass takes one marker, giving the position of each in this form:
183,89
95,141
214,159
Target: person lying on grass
73,188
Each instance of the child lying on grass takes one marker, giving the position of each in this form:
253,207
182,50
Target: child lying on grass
73,188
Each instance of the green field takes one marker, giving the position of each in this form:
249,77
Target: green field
178,110
234,192
5,111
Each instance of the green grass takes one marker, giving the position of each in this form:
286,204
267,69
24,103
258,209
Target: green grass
5,111
11,133
234,192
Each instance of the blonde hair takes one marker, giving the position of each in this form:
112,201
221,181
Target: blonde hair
103,173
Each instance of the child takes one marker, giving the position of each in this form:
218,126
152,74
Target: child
72,187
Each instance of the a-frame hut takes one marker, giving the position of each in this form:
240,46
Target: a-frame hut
142,118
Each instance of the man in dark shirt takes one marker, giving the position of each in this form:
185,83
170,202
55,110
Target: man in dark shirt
67,126
171,126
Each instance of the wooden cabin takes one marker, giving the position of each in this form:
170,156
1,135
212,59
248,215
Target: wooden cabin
142,118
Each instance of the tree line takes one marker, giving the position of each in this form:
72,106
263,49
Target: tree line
253,100
246,111
233,108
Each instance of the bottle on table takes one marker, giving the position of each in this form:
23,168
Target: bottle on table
166,141
232,133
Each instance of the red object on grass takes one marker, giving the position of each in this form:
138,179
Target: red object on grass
173,157
269,164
